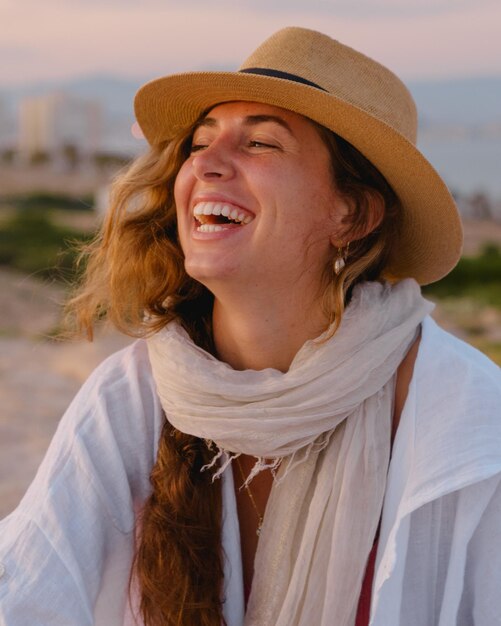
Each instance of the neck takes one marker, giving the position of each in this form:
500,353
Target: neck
264,334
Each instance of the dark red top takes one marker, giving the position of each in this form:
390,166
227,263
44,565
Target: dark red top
364,602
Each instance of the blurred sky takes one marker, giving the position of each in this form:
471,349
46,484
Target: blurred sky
56,39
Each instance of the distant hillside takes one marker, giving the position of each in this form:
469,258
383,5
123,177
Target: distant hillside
115,94
468,102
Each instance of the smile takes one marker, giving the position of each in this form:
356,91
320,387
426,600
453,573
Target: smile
217,216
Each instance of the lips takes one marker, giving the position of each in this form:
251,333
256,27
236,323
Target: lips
218,216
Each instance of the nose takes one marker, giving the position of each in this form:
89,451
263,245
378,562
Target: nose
214,162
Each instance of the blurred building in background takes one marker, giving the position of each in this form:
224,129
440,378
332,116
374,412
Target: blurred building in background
57,125
6,132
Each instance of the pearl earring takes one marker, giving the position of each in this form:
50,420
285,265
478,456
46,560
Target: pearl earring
340,262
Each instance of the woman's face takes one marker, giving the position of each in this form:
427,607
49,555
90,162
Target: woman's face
256,202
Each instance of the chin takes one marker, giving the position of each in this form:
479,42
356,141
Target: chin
209,274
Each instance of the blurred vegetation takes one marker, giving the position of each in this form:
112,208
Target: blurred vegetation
477,278
30,241
7,156
69,155
110,160
470,300
42,201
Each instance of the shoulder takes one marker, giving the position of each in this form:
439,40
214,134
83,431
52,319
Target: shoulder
120,391
122,371
106,442
118,402
452,417
449,367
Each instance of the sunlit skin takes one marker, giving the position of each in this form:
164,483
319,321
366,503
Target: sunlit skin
266,274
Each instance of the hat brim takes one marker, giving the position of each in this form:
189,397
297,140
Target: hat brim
430,239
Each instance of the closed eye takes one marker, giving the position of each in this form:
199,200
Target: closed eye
261,144
196,147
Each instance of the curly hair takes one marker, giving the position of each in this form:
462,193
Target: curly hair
134,275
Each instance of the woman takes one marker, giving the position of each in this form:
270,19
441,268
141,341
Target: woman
270,246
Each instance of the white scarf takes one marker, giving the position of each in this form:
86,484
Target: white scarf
329,420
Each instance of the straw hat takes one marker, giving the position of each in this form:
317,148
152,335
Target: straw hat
309,73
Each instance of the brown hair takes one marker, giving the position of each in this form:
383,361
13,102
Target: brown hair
135,275
367,192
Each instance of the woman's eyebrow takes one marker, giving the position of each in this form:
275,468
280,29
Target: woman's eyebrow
250,120
253,120
209,122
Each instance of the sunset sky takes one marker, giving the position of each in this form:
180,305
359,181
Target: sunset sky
57,39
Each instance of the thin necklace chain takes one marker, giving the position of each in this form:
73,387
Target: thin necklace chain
251,498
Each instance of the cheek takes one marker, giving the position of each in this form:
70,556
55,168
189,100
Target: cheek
182,186
182,190
319,216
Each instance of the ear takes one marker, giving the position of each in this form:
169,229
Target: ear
340,219
355,224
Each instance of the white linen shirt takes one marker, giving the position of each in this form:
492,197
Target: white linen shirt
66,551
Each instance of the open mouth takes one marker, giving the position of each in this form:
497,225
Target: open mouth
217,216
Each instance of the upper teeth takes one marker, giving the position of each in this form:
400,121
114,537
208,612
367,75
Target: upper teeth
220,208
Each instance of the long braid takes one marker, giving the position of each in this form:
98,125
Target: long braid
181,538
